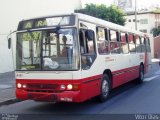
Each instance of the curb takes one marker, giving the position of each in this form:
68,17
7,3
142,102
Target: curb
11,101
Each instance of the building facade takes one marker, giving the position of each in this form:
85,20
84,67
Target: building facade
13,11
146,21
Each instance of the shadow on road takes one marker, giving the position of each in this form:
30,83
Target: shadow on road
89,107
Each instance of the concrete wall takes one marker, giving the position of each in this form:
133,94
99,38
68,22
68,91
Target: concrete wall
12,11
148,26
156,47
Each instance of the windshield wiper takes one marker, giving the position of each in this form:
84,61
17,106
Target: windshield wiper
60,21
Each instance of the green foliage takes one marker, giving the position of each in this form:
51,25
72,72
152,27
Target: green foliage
112,13
156,31
157,10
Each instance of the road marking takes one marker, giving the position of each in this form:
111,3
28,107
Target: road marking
150,78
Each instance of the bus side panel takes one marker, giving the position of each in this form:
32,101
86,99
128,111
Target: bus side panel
123,76
90,87
132,73
118,79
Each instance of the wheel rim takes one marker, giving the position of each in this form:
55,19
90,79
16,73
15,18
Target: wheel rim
105,88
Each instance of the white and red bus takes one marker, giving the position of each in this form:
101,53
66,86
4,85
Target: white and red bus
73,58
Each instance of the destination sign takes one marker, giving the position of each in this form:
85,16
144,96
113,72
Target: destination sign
47,22
37,35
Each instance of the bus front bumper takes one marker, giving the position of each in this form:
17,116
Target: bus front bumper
65,96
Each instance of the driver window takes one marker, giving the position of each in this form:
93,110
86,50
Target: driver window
87,48
82,42
89,35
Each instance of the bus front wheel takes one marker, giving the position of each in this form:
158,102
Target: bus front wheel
105,88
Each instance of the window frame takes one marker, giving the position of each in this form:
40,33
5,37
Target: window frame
124,42
105,41
117,41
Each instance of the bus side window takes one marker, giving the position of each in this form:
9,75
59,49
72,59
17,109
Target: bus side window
124,42
90,40
87,46
132,47
143,41
148,49
114,43
87,42
102,40
138,44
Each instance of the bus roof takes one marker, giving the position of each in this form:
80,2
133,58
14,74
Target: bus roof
107,24
97,21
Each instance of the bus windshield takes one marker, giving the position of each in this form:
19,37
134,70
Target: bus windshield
53,49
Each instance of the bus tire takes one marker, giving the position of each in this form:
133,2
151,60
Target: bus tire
105,88
141,74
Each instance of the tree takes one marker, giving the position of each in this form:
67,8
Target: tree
112,13
156,31
157,10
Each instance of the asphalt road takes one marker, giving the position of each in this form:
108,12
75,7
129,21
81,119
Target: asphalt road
7,80
131,98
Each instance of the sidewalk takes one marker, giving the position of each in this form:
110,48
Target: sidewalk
153,69
7,88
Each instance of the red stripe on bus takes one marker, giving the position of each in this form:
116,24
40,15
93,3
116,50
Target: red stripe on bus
88,87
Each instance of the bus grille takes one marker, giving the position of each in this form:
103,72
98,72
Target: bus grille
42,86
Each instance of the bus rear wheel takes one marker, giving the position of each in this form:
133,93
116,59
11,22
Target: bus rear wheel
141,74
105,88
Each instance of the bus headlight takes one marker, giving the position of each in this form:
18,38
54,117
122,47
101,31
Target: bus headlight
69,87
19,85
62,87
24,86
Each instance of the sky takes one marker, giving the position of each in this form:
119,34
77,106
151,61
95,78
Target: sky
140,3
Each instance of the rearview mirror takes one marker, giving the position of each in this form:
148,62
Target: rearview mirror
9,43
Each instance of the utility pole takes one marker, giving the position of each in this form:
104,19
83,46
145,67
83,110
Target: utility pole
135,14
